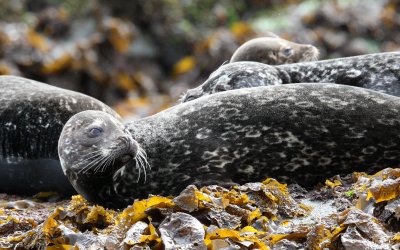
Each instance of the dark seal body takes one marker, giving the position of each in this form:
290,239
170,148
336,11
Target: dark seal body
299,133
32,115
379,72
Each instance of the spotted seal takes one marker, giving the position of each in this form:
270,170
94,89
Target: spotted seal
32,115
274,50
379,72
296,132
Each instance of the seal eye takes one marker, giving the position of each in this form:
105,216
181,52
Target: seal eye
287,52
189,98
95,132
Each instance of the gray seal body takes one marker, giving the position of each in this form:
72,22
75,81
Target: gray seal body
32,115
379,72
274,51
299,133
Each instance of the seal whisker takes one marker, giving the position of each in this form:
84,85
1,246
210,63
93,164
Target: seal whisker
91,157
95,170
105,164
93,163
110,160
145,173
146,163
139,162
90,153
113,162
139,169
141,157
100,165
91,160
87,166
143,154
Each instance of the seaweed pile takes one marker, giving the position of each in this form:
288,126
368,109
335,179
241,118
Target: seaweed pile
358,211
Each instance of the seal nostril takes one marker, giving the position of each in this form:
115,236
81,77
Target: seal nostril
124,140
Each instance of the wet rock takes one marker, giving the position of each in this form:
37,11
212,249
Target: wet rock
352,239
135,233
287,245
182,231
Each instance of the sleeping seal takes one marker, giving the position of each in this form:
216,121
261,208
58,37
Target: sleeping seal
379,72
274,51
32,115
296,132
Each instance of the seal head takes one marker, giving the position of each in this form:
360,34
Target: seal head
275,51
93,147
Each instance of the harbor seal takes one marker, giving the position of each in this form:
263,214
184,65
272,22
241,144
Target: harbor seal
299,133
379,72
32,115
274,51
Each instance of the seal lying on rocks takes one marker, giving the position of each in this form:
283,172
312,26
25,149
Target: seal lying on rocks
32,115
296,132
274,50
380,72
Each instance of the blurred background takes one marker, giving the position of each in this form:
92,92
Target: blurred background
140,56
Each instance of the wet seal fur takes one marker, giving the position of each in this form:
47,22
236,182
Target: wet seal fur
32,115
296,132
379,72
274,51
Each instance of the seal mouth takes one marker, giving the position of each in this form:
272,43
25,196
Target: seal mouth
126,150
125,158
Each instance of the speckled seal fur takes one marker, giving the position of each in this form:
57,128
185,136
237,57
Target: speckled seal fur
274,51
379,72
32,115
296,132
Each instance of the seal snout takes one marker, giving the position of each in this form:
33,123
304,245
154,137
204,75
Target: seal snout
310,53
128,149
